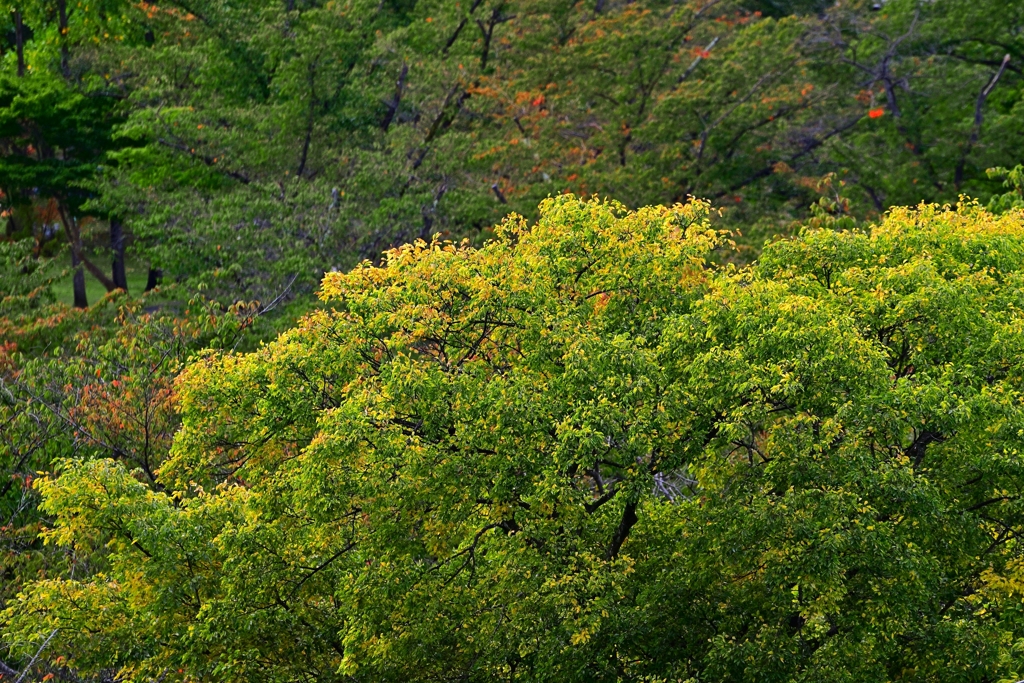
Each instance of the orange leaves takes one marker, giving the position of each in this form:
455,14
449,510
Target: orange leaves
112,385
48,211
148,8
152,9
483,91
492,151
7,351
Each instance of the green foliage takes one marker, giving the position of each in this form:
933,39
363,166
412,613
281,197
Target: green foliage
579,452
86,384
63,132
1014,199
588,444
927,146
263,144
25,285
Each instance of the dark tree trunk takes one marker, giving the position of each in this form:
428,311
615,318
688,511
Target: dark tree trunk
81,300
629,518
74,236
155,276
62,19
117,245
396,100
19,41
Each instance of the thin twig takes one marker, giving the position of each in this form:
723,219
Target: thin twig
31,663
696,62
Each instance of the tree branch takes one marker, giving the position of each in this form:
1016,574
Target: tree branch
958,176
696,62
75,240
396,100
629,518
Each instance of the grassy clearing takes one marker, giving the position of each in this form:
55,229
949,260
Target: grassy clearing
63,288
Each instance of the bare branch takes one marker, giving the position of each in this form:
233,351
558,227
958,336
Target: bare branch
696,62
979,117
32,662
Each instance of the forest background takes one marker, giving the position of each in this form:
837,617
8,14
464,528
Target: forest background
181,175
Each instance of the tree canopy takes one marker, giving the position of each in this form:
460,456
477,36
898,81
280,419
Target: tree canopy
246,146
583,452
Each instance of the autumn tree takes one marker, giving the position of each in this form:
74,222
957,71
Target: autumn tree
81,384
580,452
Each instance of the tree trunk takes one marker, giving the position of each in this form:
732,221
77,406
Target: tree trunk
75,240
62,19
81,300
155,276
117,245
396,100
19,41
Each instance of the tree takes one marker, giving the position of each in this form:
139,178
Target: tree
580,452
57,121
307,136
24,284
84,383
53,138
457,459
917,145
263,148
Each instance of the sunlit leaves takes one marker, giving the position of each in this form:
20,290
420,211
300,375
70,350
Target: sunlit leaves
580,452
